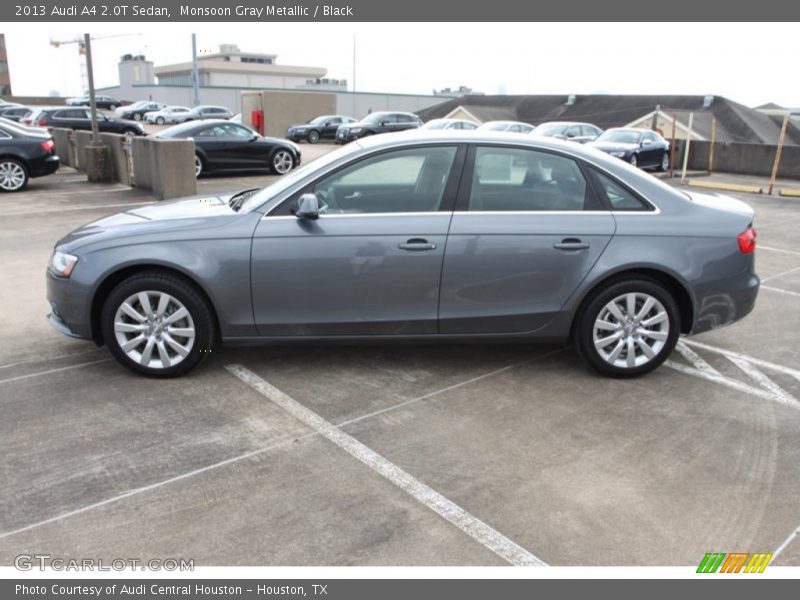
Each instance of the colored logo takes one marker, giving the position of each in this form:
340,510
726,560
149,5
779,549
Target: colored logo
734,562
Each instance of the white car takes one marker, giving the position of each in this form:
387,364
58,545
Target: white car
171,115
513,126
443,124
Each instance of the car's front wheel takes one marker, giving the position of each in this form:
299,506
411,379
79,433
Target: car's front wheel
158,324
628,328
634,160
312,137
137,117
13,175
664,165
112,106
160,120
199,166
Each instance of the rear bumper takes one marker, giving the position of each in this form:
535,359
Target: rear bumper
725,307
44,166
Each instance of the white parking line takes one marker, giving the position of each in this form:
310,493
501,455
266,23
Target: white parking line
694,358
721,379
781,274
447,509
781,250
49,371
765,382
48,359
756,361
780,290
251,454
785,543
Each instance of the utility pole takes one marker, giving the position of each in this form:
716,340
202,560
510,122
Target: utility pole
195,76
354,75
87,44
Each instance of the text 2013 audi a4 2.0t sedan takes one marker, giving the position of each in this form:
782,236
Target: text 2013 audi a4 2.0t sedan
424,236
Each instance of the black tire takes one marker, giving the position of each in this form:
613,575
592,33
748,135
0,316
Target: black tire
160,120
199,165
137,117
592,308
20,179
187,294
634,160
312,136
112,106
664,164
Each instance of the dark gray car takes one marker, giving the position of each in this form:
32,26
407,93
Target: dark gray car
423,236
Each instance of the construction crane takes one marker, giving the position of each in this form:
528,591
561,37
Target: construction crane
79,41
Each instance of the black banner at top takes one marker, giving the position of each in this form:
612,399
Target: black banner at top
100,11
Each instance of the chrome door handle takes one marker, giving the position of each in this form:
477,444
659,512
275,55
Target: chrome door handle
571,244
417,245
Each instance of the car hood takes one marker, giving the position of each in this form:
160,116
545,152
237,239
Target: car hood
613,146
184,214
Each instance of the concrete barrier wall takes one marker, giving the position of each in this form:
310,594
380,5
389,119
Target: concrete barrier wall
746,159
82,139
164,167
64,145
119,156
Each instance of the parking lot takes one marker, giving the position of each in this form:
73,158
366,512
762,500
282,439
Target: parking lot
393,455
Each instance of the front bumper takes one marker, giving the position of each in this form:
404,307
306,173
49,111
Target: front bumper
69,307
345,136
295,136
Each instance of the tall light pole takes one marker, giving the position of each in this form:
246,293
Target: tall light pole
354,75
195,77
87,45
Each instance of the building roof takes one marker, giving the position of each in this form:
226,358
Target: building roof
223,66
735,122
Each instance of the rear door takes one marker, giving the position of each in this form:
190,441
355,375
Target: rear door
213,142
527,230
74,118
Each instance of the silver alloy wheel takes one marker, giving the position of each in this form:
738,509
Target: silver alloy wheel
631,330
137,117
634,160
313,137
12,176
154,329
160,120
665,162
282,162
198,165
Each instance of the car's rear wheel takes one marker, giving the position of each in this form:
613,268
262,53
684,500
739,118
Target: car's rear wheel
137,117
158,324
112,106
160,120
199,165
664,165
634,160
13,175
312,137
282,162
627,328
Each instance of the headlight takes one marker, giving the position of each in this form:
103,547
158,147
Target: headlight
61,264
618,154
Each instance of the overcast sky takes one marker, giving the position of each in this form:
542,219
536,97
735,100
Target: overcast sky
751,63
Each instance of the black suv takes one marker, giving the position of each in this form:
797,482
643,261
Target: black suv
377,122
81,118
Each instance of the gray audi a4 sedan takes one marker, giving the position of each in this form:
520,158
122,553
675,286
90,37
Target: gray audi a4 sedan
425,236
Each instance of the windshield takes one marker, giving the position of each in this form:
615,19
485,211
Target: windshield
620,136
551,129
288,180
373,118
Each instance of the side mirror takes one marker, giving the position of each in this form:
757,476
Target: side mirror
307,207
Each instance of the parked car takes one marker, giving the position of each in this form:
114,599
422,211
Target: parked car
513,126
224,146
377,122
473,236
24,154
106,102
640,147
211,112
568,130
445,124
170,115
318,128
81,118
14,112
137,110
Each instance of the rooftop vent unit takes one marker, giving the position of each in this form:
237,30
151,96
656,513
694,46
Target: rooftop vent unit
570,99
708,101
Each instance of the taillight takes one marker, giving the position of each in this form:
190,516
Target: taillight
41,122
747,241
48,145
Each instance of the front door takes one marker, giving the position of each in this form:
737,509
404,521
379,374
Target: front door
371,264
524,235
